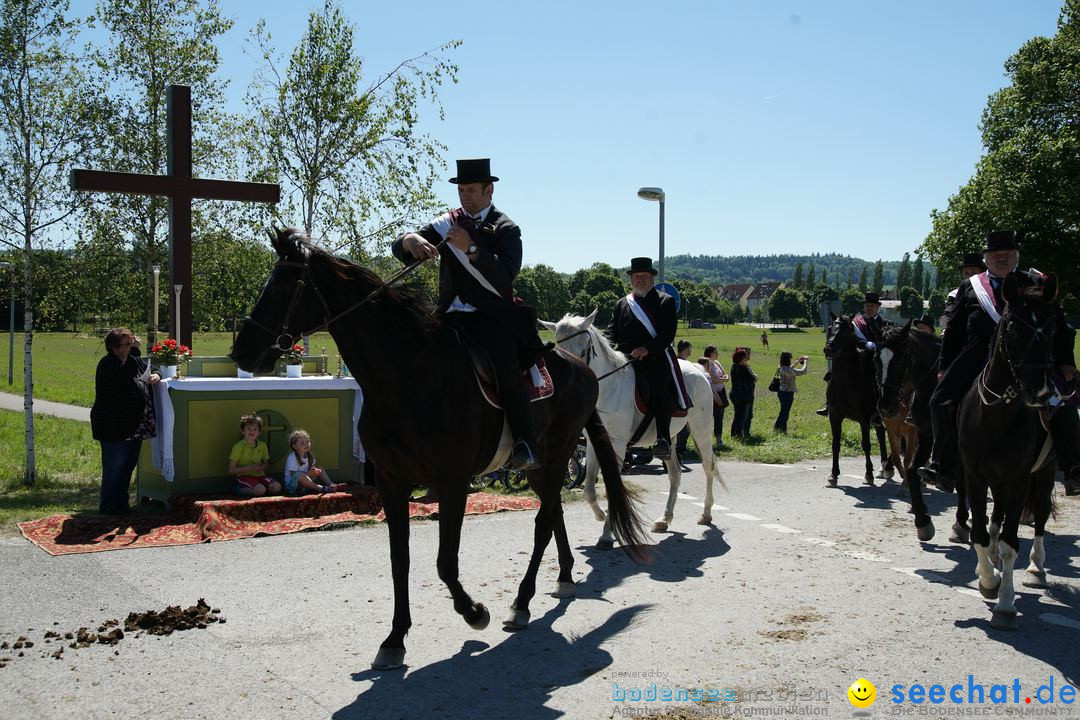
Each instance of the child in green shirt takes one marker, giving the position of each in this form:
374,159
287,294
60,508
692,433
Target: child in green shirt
248,461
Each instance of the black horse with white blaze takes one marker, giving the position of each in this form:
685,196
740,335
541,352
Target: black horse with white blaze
424,419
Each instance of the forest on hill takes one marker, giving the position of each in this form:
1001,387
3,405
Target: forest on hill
721,270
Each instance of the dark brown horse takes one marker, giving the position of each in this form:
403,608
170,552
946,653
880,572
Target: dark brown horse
424,420
851,394
1003,443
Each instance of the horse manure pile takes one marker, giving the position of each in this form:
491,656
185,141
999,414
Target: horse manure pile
165,622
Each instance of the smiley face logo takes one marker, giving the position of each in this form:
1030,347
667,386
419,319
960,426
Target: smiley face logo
862,693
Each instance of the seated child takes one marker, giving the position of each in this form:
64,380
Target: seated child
248,461
301,473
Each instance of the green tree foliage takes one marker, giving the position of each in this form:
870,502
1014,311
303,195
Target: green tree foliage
787,304
811,279
879,277
353,161
937,304
911,303
721,270
852,300
903,273
544,289
862,280
699,301
1029,175
797,277
820,294
917,274
227,274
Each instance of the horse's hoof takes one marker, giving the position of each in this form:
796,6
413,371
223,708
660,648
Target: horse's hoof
887,474
565,590
926,532
659,526
704,519
599,514
388,659
1035,579
869,479
832,480
481,619
516,620
1003,620
602,544
989,593
881,475
960,534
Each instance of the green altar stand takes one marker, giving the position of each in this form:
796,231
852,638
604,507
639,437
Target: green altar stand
198,422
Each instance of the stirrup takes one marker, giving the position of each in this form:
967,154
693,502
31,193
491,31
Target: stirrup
523,458
661,450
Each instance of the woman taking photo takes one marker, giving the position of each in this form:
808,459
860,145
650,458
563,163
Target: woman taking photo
786,393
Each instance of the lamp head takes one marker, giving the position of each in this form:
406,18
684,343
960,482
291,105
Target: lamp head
156,269
651,193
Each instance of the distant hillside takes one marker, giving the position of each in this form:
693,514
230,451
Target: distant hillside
719,270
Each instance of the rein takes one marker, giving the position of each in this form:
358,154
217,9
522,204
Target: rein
590,353
1001,345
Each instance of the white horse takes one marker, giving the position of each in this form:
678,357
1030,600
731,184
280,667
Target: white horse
576,335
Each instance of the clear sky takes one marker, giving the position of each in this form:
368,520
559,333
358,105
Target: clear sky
773,126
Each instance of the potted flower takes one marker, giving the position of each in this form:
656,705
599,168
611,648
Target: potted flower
294,361
166,355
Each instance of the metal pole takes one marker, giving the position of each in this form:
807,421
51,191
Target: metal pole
11,337
153,334
661,241
176,330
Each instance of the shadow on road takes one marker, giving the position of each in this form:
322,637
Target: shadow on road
512,679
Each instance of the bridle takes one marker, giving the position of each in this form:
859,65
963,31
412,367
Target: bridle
590,352
282,338
1001,343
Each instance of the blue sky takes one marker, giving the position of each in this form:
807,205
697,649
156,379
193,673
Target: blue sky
773,127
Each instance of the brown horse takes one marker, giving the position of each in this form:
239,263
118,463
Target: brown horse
424,419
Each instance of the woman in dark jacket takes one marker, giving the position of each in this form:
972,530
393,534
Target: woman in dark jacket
122,415
743,380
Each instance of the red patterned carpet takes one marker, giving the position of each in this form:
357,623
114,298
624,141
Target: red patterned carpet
199,520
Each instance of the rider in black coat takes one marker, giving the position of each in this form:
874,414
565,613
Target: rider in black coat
653,353
480,303
965,350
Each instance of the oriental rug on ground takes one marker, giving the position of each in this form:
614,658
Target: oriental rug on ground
199,520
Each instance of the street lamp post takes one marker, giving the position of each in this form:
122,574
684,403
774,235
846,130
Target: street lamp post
176,330
153,333
11,325
657,194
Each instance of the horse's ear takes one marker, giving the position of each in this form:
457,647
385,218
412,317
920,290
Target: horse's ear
549,325
589,320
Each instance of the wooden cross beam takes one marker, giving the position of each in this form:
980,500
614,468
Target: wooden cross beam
181,188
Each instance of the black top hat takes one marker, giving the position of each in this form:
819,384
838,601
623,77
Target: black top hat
641,264
474,171
926,320
1003,240
973,260
872,298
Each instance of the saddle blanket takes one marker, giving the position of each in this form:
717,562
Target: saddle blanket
538,385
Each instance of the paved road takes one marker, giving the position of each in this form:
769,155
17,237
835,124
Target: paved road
796,589
10,401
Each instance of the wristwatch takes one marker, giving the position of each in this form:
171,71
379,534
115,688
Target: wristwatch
472,249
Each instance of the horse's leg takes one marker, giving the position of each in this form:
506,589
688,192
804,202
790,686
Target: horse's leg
674,473
835,421
395,503
984,568
924,524
451,515
566,586
592,471
1042,499
890,461
961,533
864,427
547,487
703,439
996,519
1004,613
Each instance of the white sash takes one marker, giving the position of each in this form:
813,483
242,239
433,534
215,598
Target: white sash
464,260
984,293
639,313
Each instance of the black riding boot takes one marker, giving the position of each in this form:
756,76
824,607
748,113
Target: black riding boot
515,402
941,470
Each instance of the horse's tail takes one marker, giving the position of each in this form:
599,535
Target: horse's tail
626,522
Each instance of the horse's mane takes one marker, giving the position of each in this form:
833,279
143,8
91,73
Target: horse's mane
604,349
408,309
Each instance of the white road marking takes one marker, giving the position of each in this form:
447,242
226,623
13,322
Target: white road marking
819,541
1055,619
969,591
781,528
715,507
678,496
742,516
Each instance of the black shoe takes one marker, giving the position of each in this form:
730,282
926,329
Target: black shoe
827,376
523,458
662,450
823,411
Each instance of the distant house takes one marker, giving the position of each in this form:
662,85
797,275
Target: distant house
735,293
759,295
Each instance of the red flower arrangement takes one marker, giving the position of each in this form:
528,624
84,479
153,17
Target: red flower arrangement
295,356
169,352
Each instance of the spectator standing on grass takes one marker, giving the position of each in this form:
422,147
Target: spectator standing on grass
743,382
717,379
122,415
786,393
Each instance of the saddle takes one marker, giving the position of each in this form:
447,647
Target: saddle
537,379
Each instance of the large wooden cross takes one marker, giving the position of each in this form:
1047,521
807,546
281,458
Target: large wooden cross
181,188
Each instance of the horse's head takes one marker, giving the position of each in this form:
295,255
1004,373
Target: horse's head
892,363
1025,336
572,335
288,306
839,336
